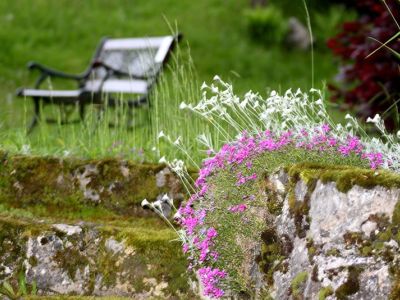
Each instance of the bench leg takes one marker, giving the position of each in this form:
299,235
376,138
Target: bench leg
82,112
36,115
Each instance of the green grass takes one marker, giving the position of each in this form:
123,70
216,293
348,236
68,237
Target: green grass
63,34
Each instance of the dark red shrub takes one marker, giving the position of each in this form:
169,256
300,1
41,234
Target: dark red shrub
370,85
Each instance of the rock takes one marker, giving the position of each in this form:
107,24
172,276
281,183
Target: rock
90,259
68,229
368,227
277,182
300,191
166,179
114,246
332,244
298,36
392,244
338,213
113,184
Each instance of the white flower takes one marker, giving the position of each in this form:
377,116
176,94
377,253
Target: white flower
183,105
145,204
162,160
217,78
177,216
177,141
243,104
167,199
26,149
158,206
214,89
161,134
348,116
376,120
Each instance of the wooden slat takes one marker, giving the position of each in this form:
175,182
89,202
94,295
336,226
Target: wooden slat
50,93
128,86
133,43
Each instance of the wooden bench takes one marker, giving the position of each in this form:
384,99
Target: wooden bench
119,66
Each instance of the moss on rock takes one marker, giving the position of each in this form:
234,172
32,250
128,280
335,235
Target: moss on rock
297,285
142,253
351,286
273,252
48,185
325,292
345,177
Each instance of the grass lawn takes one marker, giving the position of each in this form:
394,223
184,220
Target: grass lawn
64,33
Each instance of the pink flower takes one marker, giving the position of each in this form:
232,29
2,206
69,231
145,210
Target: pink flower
210,278
332,142
325,128
238,208
211,233
252,177
190,224
231,156
375,160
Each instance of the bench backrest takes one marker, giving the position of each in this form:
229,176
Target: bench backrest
135,56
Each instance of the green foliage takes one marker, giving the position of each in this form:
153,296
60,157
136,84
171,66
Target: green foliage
22,290
266,25
298,283
325,292
327,23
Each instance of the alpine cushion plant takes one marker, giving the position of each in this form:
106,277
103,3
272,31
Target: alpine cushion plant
370,73
260,135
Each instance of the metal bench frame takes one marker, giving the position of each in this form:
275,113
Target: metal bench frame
83,96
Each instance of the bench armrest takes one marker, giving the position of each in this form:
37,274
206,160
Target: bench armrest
52,72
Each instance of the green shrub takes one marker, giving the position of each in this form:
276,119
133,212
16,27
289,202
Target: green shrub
266,25
328,23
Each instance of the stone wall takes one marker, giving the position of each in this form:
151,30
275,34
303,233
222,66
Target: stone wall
326,242
113,184
76,227
93,259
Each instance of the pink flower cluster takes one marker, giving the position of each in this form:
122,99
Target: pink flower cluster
210,277
241,179
239,152
238,208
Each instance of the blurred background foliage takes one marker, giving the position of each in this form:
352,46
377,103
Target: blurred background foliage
64,34
242,41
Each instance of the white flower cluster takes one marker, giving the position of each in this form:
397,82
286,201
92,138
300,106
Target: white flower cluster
295,111
163,207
